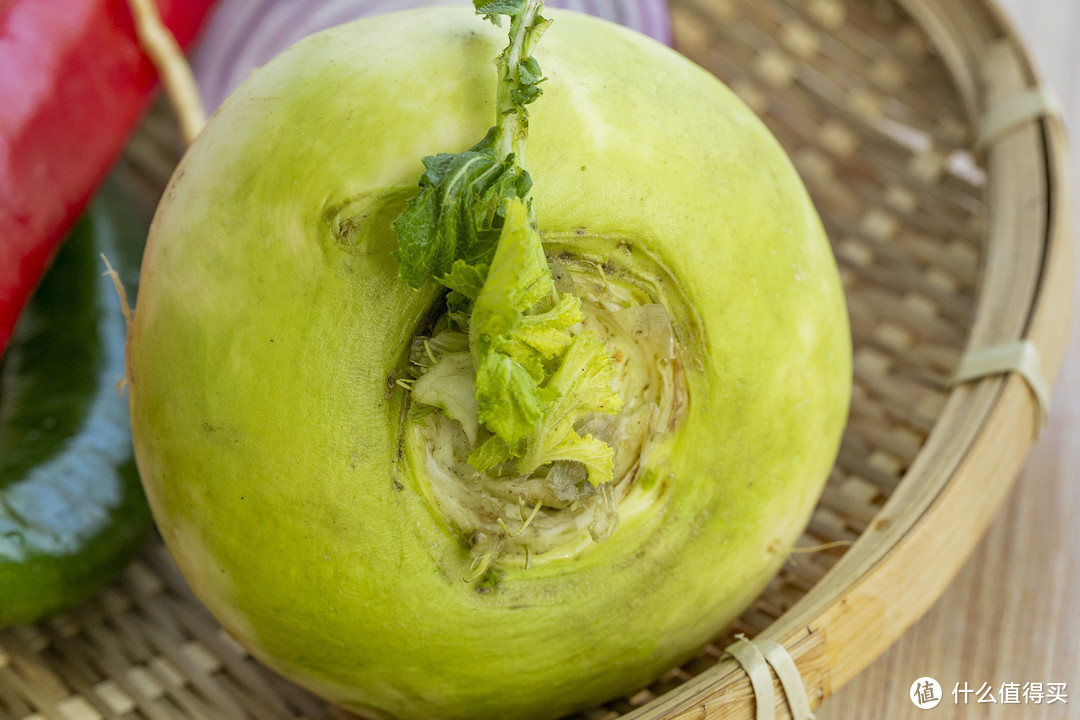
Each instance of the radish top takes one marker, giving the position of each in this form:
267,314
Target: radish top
535,374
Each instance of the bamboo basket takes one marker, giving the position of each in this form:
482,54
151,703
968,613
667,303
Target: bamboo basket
948,242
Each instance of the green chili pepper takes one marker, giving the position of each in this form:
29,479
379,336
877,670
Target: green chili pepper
72,512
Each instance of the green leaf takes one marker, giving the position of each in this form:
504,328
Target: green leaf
582,385
529,71
518,278
489,453
465,279
519,74
596,455
471,229
585,377
509,400
458,211
450,385
451,217
543,336
499,7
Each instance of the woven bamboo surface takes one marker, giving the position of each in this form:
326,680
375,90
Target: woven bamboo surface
941,249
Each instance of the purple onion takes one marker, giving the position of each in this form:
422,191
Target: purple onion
243,34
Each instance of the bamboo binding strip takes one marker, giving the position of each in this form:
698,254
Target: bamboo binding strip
1020,357
756,657
944,246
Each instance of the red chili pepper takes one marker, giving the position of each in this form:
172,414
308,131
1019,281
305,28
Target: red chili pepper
73,84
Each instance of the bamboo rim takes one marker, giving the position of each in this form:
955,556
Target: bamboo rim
898,566
884,582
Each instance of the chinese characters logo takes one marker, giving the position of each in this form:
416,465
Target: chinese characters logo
925,693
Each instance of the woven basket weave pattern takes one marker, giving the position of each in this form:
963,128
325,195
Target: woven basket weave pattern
875,124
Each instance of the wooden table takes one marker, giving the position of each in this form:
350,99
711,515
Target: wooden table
1012,615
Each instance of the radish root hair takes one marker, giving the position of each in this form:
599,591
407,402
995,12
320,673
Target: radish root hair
129,316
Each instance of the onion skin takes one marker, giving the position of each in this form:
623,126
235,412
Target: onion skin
225,56
269,443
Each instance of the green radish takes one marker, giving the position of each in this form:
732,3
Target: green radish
512,444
